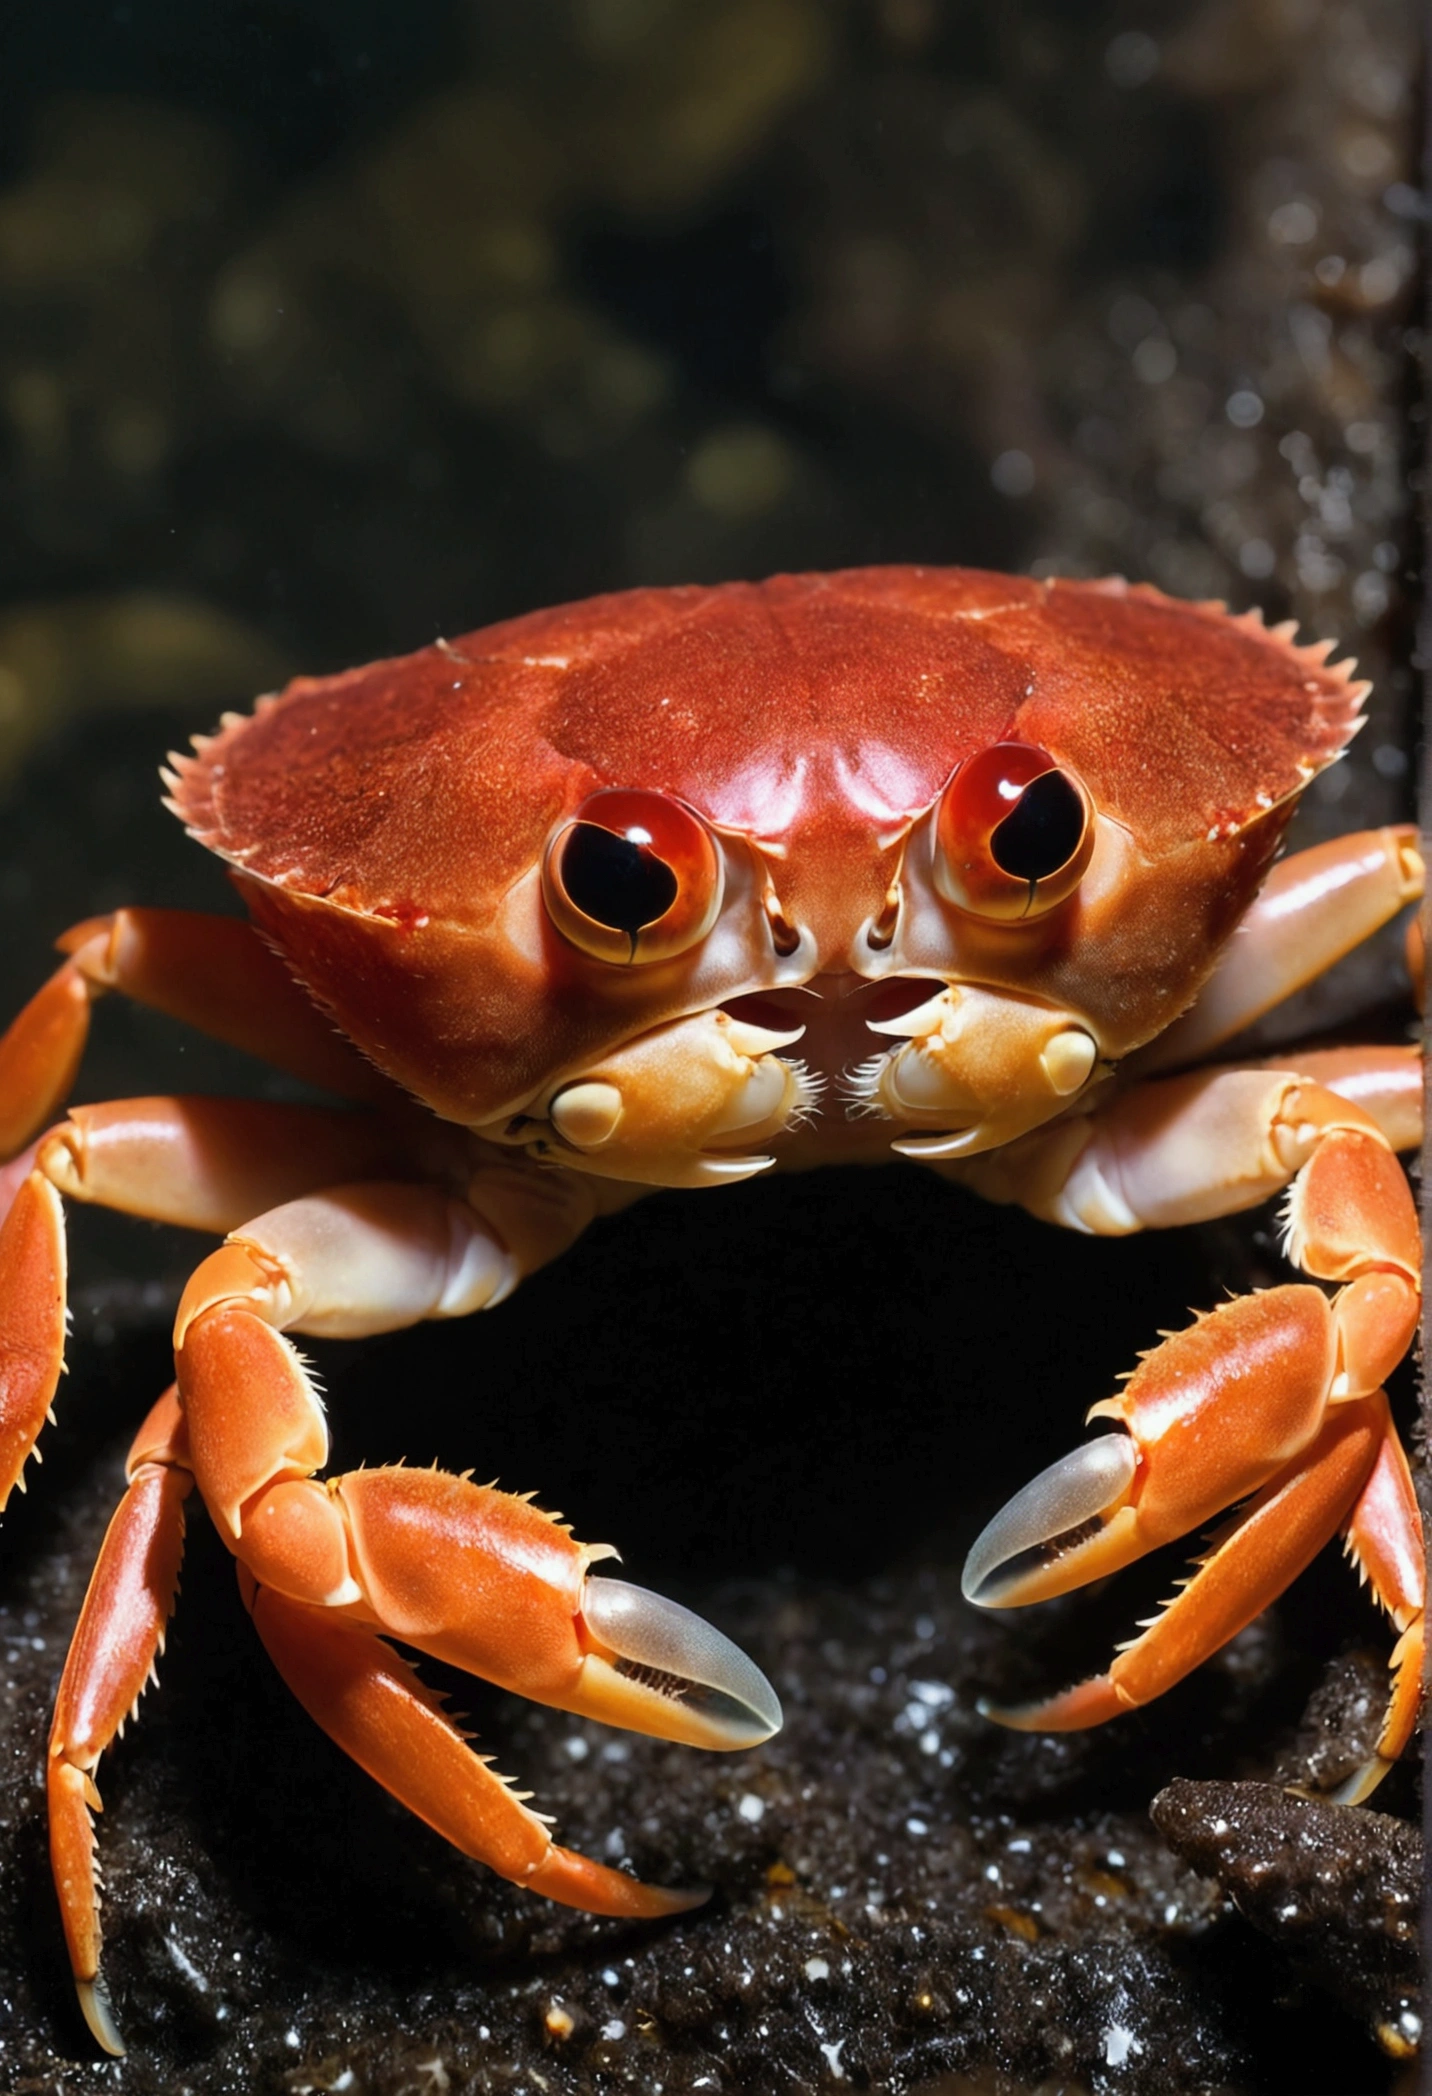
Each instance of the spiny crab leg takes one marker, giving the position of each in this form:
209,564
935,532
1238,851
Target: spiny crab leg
1384,1540
375,1708
471,1575
1354,1460
117,1640
477,1577
32,1321
1274,1398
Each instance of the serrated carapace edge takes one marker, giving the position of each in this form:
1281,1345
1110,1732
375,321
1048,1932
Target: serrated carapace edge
1336,707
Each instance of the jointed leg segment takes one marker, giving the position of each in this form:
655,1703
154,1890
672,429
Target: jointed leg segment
368,1700
1273,1400
202,1163
111,1660
472,1575
1315,906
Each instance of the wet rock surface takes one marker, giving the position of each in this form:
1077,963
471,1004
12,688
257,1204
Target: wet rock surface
316,341
1341,1892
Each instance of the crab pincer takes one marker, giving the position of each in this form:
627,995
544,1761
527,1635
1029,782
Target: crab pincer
332,1568
1271,1405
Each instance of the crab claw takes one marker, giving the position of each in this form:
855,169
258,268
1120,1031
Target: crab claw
652,1666
490,1583
980,1066
1063,1529
686,1104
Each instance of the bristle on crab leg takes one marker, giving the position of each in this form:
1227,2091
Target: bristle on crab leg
32,1322
111,1661
373,1705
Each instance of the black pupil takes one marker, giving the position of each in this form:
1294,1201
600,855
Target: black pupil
1042,832
614,881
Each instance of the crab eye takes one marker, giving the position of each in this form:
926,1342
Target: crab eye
632,876
1014,833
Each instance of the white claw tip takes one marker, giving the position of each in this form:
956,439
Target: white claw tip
1361,1784
1051,1509
686,1660
95,2008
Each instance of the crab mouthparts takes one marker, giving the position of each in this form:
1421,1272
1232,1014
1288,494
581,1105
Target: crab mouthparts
836,1014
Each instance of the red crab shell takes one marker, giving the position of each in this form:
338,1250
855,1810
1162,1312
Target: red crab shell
388,824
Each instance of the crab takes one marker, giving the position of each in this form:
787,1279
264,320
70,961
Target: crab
551,908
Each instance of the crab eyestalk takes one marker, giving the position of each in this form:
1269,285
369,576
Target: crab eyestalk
653,1666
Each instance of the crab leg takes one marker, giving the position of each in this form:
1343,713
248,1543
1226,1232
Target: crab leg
1386,1082
203,1163
1254,1398
1384,1539
117,1640
32,1321
1314,907
462,1571
1416,952
40,1055
208,1164
467,1573
1355,1458
375,1708
214,973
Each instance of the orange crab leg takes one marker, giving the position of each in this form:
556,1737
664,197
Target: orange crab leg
117,1640
216,974
451,1567
208,1164
203,1163
465,1572
1384,1538
375,1708
1416,951
1253,1399
40,1055
1314,907
32,1321
1276,1538
1386,1082
213,973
